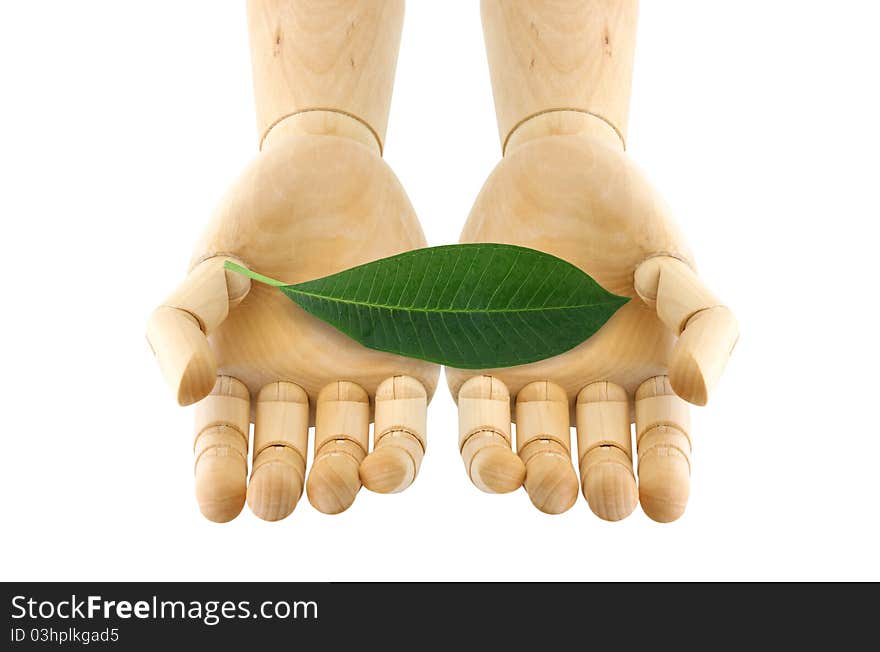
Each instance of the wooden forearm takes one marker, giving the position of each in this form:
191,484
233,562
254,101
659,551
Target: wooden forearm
560,66
324,67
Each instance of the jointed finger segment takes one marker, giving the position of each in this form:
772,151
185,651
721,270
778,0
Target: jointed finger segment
707,329
664,448
281,428
342,432
701,353
177,330
484,436
222,426
543,440
605,450
399,440
183,353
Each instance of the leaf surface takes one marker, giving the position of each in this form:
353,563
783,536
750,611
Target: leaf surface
471,306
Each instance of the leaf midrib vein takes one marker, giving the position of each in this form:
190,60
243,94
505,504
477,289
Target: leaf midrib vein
380,306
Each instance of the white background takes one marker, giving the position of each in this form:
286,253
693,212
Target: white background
123,122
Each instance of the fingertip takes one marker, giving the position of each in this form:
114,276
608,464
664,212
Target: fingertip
686,377
702,352
221,484
274,490
497,470
611,491
551,482
183,353
198,378
664,485
387,470
333,483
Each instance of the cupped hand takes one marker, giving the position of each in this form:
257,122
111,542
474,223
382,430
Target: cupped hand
580,198
308,206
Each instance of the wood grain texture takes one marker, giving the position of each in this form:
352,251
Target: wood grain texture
318,199
560,55
543,441
183,353
307,207
281,432
222,428
605,450
177,329
484,436
342,438
399,439
708,330
664,450
701,353
337,55
577,198
567,188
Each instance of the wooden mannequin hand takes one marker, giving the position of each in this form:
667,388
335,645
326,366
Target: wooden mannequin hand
308,206
561,75
316,200
584,201
580,198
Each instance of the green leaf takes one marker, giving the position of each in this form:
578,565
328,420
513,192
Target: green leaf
472,306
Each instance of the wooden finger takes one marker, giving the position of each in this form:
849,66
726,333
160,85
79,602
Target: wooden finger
707,330
222,426
605,450
701,353
342,433
182,351
177,330
543,440
484,436
281,432
664,449
399,435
